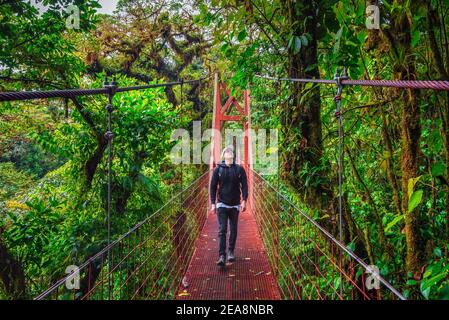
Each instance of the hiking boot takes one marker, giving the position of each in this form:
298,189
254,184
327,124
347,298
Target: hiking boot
221,261
231,256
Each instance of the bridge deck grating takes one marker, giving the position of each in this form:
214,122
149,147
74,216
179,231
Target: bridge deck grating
248,278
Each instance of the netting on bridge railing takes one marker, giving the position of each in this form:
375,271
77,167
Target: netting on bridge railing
308,262
149,261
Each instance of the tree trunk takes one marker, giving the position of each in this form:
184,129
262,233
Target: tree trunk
409,164
11,274
90,166
303,136
389,165
402,60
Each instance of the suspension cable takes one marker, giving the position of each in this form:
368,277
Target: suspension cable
181,103
338,79
112,87
405,84
71,93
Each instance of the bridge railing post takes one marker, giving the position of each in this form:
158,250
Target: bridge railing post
338,79
112,87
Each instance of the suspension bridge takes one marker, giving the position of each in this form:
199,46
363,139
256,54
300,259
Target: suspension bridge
282,253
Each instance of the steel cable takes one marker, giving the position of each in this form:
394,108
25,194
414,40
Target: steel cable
405,84
71,93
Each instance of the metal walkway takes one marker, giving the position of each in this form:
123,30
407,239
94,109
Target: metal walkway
248,278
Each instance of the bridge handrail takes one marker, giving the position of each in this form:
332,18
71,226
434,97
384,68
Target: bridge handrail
334,240
119,239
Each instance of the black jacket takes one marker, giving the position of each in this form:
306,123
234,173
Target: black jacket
232,183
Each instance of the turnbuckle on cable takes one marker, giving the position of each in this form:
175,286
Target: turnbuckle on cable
338,77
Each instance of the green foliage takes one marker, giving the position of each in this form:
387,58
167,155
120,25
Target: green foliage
438,169
49,231
394,222
40,46
61,222
414,200
12,181
435,283
18,143
31,158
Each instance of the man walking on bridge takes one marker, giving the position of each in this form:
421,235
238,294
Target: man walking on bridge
231,181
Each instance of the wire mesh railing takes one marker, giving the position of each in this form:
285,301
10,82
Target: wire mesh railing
149,261
308,262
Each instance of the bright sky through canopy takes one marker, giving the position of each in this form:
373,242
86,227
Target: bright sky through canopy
108,6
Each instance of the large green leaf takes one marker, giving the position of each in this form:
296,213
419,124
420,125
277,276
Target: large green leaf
438,169
304,41
415,200
242,35
393,222
411,185
295,44
427,284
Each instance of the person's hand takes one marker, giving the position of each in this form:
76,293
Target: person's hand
243,206
213,209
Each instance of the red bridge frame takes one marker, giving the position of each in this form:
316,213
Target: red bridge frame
221,114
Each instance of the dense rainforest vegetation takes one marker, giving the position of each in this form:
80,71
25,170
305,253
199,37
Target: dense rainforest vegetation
53,159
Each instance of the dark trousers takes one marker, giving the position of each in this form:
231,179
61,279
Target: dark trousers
223,215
